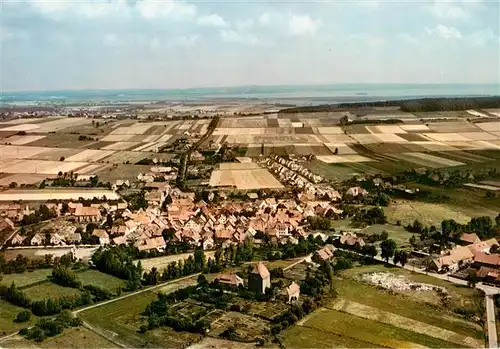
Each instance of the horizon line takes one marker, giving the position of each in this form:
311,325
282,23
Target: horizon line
249,86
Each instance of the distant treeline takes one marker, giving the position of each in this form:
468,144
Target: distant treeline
409,105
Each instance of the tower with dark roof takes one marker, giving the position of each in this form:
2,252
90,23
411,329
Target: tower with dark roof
259,279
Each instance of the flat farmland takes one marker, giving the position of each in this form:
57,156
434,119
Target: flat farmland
56,194
21,179
243,176
40,166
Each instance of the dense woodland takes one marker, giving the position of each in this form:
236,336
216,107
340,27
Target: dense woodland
410,105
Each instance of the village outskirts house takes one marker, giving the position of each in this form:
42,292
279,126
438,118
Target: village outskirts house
293,292
467,239
230,280
102,236
259,279
455,259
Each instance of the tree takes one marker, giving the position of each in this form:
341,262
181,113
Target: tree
369,250
336,151
199,259
413,240
388,247
62,158
497,220
472,279
23,316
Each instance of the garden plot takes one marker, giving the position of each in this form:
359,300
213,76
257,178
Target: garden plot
117,138
489,126
247,327
415,128
245,177
334,159
40,166
428,160
19,152
121,146
90,155
447,137
135,129
21,140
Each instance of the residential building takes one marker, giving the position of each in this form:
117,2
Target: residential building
231,280
87,214
467,239
293,292
102,236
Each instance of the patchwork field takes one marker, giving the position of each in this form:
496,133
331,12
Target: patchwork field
49,290
26,278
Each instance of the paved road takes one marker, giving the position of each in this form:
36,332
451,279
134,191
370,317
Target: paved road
492,330
8,239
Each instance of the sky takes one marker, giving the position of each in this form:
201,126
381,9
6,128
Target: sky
122,44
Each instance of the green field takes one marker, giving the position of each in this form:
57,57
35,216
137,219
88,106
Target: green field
415,306
122,320
96,278
49,290
428,213
373,332
26,278
8,313
307,337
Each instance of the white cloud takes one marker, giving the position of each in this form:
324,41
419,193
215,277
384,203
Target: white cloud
449,10
90,9
302,25
165,8
265,18
408,38
481,37
369,3
230,35
8,34
213,20
445,32
110,40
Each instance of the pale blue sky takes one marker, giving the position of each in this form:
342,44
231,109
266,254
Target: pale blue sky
73,44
